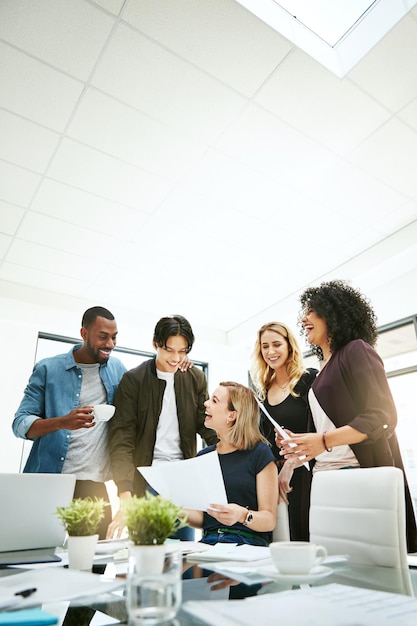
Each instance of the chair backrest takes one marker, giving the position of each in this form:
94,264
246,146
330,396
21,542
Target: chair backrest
361,512
281,531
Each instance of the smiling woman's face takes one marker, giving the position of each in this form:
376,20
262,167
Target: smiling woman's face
217,409
274,349
315,328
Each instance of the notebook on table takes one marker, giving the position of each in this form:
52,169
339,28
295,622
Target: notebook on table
29,528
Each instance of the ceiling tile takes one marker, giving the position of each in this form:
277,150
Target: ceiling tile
387,248
349,190
113,6
198,145
388,72
86,210
10,217
390,155
236,185
209,220
362,239
268,145
390,269
409,114
42,280
60,235
399,218
67,35
47,259
25,143
17,185
174,92
252,48
310,98
116,128
35,91
108,177
5,242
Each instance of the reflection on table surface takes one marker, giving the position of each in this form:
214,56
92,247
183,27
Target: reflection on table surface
110,608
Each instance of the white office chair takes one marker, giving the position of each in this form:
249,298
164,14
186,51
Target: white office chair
281,531
361,512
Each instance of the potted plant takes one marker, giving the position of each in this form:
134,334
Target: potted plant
81,519
150,520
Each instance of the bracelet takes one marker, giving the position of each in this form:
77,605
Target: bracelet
325,444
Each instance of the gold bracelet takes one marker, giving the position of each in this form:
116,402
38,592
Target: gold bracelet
325,444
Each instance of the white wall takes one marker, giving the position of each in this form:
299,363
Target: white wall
21,322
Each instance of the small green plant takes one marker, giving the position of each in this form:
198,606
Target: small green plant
152,519
82,517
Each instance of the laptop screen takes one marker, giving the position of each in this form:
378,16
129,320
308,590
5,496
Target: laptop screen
28,503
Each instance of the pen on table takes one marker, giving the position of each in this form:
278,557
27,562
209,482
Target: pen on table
16,600
26,592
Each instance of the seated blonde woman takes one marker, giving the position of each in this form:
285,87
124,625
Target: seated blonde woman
248,467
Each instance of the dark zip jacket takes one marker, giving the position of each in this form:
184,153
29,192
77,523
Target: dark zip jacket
138,402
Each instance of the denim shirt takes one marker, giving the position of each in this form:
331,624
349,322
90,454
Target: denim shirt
54,390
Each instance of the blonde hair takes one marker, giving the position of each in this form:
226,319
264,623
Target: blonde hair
245,433
262,374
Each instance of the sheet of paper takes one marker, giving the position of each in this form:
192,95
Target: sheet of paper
54,584
194,483
327,605
231,552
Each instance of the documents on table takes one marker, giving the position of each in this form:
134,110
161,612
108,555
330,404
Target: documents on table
54,584
193,483
327,605
231,552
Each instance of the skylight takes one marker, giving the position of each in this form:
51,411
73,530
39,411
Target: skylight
337,33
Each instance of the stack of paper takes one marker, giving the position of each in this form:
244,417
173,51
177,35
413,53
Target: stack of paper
231,552
328,605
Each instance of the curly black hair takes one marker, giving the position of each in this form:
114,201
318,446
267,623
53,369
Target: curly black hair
347,312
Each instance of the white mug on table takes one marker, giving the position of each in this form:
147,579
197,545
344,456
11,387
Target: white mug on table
296,557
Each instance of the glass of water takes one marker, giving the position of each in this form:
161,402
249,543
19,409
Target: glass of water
154,585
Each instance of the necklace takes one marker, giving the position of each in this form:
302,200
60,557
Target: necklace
283,389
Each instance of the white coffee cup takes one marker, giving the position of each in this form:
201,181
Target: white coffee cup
296,557
103,412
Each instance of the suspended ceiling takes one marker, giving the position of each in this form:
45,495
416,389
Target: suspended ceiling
174,156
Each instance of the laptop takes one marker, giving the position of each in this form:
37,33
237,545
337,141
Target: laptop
29,528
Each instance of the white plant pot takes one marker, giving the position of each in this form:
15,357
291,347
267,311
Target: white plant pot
147,559
81,552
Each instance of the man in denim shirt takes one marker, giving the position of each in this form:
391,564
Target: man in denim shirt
56,410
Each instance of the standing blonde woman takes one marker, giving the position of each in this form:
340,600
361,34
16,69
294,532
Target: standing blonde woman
282,384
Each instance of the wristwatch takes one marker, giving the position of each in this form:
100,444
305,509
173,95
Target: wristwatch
248,518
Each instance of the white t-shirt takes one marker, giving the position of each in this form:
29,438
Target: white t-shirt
167,445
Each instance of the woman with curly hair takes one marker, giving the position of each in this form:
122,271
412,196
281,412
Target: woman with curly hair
351,407
282,384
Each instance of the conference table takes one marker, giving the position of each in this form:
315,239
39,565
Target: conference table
356,585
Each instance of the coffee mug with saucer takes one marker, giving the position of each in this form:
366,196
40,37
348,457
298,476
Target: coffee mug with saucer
296,557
